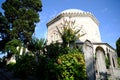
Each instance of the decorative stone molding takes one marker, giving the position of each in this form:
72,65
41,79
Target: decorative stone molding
75,13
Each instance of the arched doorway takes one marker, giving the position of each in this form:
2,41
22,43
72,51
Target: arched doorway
100,62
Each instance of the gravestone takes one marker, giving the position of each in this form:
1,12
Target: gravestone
89,59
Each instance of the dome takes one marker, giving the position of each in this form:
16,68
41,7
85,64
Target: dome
72,11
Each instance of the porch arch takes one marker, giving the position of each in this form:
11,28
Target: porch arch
100,62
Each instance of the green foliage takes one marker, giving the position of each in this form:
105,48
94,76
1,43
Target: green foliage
22,16
3,26
67,50
67,67
118,47
68,33
25,66
11,46
118,60
107,61
3,31
36,44
14,43
10,66
41,68
37,47
3,21
73,67
53,50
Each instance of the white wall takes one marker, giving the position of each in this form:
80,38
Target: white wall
89,27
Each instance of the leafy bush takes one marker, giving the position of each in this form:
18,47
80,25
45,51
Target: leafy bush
41,69
118,62
10,66
107,61
53,50
25,66
67,67
118,46
67,50
10,47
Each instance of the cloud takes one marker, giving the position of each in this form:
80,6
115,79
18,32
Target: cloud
104,10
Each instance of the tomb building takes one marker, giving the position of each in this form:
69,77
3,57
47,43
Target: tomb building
95,51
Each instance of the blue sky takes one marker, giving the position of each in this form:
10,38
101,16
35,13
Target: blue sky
107,13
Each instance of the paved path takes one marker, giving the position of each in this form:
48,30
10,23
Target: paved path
6,75
2,77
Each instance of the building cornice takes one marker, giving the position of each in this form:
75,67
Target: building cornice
70,14
104,44
54,20
99,44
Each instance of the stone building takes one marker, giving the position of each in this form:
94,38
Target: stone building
95,51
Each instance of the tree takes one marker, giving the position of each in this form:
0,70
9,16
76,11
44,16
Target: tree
68,34
118,60
11,47
118,47
36,46
25,66
3,31
22,16
3,24
53,50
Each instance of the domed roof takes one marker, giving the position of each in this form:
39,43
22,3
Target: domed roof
72,11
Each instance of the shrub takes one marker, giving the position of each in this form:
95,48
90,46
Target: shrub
107,61
118,62
41,70
25,66
66,50
118,46
10,66
69,66
53,50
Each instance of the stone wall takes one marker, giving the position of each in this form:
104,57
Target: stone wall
116,73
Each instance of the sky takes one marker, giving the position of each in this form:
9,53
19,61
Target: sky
107,13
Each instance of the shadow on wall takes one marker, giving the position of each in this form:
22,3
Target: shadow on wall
90,69
103,76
